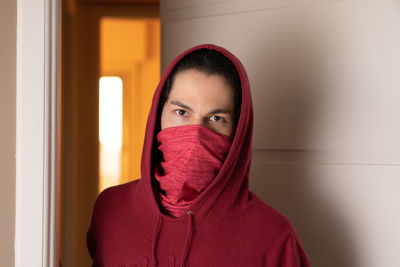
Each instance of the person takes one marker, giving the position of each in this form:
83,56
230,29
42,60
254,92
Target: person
192,206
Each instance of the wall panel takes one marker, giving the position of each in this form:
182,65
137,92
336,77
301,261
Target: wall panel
325,77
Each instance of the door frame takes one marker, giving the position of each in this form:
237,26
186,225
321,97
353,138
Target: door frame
37,132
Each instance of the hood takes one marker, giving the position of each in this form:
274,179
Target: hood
227,195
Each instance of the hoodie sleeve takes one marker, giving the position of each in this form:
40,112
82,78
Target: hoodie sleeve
293,254
91,242
92,234
290,254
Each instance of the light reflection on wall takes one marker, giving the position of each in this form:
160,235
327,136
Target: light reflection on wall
110,130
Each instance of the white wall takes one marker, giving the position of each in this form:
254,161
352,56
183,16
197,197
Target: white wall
325,79
8,57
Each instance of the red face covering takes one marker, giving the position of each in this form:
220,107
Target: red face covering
193,156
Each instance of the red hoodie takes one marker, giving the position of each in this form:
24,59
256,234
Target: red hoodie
227,225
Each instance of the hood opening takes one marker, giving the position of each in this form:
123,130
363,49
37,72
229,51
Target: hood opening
228,192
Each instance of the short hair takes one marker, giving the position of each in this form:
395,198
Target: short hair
209,62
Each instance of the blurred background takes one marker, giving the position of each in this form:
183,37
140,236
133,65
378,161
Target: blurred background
111,67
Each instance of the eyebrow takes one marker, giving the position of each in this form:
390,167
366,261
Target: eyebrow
181,105
214,111
219,111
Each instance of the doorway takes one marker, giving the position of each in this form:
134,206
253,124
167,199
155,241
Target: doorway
111,66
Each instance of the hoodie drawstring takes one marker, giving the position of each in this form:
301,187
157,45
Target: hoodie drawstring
187,243
155,239
188,238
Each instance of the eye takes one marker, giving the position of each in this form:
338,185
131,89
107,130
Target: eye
181,112
216,118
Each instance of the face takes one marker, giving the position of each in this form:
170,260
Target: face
201,99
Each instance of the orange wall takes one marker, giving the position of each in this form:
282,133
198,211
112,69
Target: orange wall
130,49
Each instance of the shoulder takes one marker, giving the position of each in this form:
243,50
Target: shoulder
276,233
266,215
263,222
111,205
115,196
118,191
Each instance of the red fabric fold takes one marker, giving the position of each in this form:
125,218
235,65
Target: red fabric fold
192,156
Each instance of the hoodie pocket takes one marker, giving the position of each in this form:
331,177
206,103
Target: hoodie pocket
171,261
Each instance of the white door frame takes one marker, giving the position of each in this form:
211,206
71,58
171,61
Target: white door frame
38,50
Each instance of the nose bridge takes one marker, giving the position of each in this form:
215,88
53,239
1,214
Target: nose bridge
199,120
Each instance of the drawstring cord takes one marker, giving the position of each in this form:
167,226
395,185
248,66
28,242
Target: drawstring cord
187,243
155,238
188,238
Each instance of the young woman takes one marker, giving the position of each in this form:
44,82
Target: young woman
192,206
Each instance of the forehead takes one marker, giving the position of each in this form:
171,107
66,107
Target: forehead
198,87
